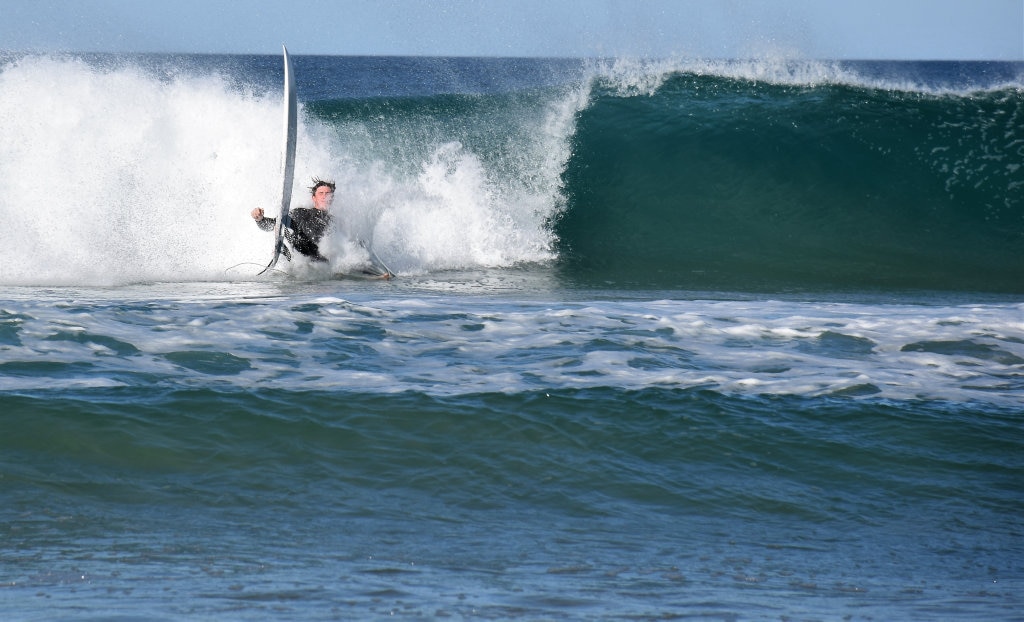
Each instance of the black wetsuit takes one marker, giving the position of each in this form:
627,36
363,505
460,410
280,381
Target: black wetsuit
303,230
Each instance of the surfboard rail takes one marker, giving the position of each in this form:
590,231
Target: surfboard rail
291,123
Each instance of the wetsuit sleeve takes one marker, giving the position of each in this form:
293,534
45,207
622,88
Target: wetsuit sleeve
267,224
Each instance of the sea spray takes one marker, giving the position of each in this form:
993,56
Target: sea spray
455,181
159,185
117,176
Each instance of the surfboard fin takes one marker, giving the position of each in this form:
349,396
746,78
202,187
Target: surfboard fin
388,274
282,249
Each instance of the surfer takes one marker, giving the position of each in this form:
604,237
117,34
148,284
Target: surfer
305,226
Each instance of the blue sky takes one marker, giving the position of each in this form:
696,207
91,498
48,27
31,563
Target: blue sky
862,29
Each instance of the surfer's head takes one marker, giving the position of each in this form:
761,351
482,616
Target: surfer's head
323,193
318,183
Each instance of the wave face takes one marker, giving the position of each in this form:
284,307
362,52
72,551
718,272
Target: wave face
731,181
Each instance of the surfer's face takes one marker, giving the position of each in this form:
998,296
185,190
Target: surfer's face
323,197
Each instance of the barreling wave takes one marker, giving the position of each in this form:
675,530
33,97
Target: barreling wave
700,174
721,178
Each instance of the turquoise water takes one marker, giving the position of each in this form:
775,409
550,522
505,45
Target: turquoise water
746,424
712,183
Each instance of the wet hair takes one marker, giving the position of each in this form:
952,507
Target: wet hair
317,182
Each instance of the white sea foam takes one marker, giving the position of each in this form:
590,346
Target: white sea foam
453,345
114,175
643,76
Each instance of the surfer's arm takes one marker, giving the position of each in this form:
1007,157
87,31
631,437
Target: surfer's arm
267,224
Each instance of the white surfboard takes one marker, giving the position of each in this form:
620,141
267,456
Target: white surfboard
291,123
375,269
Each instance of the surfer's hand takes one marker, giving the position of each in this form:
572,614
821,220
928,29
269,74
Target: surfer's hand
257,213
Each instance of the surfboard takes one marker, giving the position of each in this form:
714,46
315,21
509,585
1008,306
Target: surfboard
374,269
291,125
378,265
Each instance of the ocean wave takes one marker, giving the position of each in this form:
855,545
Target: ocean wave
700,174
711,182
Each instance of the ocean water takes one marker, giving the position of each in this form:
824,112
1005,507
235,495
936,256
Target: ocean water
675,339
